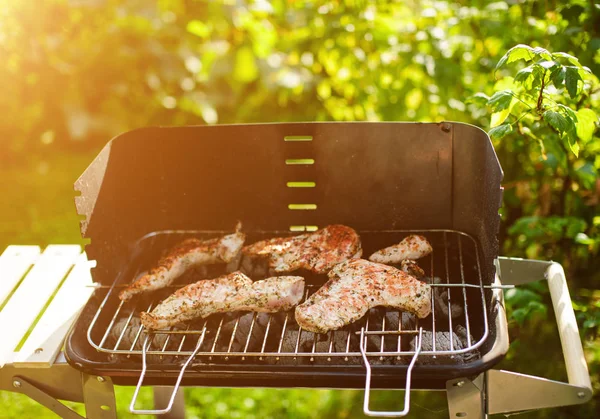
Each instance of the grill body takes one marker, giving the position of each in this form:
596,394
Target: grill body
383,179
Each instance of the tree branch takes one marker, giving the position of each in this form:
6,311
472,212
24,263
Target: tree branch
540,100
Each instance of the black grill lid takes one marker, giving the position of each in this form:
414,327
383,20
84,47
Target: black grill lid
371,176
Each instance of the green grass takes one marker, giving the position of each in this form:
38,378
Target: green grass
254,403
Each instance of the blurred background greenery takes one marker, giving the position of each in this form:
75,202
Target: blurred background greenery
74,73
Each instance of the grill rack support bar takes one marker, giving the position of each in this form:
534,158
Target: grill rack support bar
387,414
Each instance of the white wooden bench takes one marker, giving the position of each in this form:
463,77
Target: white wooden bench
31,357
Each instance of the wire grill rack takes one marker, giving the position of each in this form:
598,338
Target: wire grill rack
458,302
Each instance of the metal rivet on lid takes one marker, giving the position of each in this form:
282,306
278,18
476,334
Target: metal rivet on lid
581,394
16,383
101,379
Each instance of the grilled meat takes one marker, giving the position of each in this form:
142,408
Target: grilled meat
411,247
354,287
187,254
410,267
232,292
317,252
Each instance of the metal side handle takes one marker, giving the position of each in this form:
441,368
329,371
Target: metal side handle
167,409
388,414
505,389
577,369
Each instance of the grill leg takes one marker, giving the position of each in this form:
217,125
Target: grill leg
99,397
22,385
466,398
162,394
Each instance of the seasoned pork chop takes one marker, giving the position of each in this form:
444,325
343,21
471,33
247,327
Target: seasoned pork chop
410,267
187,254
231,292
411,247
354,287
317,252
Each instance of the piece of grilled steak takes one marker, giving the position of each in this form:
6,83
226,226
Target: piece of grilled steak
317,252
187,254
231,292
354,287
411,247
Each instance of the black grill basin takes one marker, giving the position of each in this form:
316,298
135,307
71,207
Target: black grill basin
150,188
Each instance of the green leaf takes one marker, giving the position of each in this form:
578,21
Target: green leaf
547,64
478,98
586,175
519,315
537,307
568,111
500,131
584,239
521,296
565,125
573,60
522,314
524,74
571,129
505,83
544,53
517,52
245,69
502,61
573,146
500,100
499,117
558,76
571,78
574,227
571,132
570,141
556,120
586,124
590,323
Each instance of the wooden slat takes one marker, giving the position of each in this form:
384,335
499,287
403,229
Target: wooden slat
26,303
47,338
14,262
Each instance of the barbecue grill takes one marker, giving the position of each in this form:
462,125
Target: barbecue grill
151,188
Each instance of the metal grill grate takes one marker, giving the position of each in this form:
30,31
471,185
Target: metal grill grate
276,338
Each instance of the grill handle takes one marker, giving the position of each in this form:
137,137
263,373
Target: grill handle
167,409
520,271
388,414
577,369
